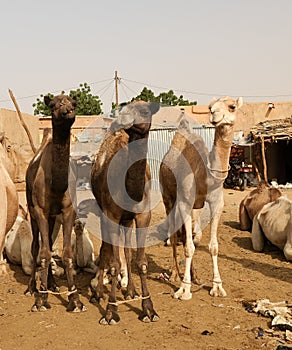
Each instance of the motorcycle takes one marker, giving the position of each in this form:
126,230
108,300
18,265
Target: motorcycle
239,175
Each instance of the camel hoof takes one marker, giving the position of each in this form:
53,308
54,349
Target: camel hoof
103,321
146,319
183,294
40,309
28,293
78,309
218,292
113,322
155,318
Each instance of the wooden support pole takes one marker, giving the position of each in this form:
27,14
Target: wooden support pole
22,121
117,90
264,160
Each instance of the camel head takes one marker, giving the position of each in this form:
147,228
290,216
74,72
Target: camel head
223,110
62,107
136,116
78,227
7,155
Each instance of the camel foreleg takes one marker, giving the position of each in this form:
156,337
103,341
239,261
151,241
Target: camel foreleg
142,224
74,305
216,211
257,236
244,220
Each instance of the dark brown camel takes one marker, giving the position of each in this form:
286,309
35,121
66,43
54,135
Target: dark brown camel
47,196
189,176
119,175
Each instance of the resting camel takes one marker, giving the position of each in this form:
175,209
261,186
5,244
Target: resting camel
82,247
48,196
253,203
189,177
119,179
18,247
9,198
274,223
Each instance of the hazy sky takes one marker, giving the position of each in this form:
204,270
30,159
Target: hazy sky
197,48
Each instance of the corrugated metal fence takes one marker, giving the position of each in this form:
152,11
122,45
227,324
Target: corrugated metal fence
160,141
158,144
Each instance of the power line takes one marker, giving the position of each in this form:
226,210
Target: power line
122,80
57,91
203,93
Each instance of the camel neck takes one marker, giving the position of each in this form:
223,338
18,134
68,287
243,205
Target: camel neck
137,167
61,155
79,250
220,153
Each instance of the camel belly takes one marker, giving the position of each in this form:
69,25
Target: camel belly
275,229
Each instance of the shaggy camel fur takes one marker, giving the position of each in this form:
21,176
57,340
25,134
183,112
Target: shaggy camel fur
253,203
274,223
119,179
189,176
9,198
47,196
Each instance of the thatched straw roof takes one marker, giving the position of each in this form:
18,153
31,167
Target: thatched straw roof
272,130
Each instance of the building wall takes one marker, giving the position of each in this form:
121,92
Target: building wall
250,114
11,125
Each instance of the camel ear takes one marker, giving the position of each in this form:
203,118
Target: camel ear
239,102
154,107
47,100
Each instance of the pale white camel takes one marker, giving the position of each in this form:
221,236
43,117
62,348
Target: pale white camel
274,223
82,247
9,199
191,176
18,247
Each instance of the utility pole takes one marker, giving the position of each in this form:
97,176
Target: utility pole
117,93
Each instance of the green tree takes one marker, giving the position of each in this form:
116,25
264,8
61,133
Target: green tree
87,104
165,98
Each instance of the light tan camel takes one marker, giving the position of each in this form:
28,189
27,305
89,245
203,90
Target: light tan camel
82,247
191,176
48,196
253,203
274,223
119,179
9,198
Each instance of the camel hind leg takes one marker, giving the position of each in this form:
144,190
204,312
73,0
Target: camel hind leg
142,224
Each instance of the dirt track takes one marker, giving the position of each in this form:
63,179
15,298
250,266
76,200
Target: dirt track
246,275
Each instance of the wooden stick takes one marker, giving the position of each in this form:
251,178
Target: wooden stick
264,160
22,122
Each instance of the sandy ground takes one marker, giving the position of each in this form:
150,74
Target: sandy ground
203,322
